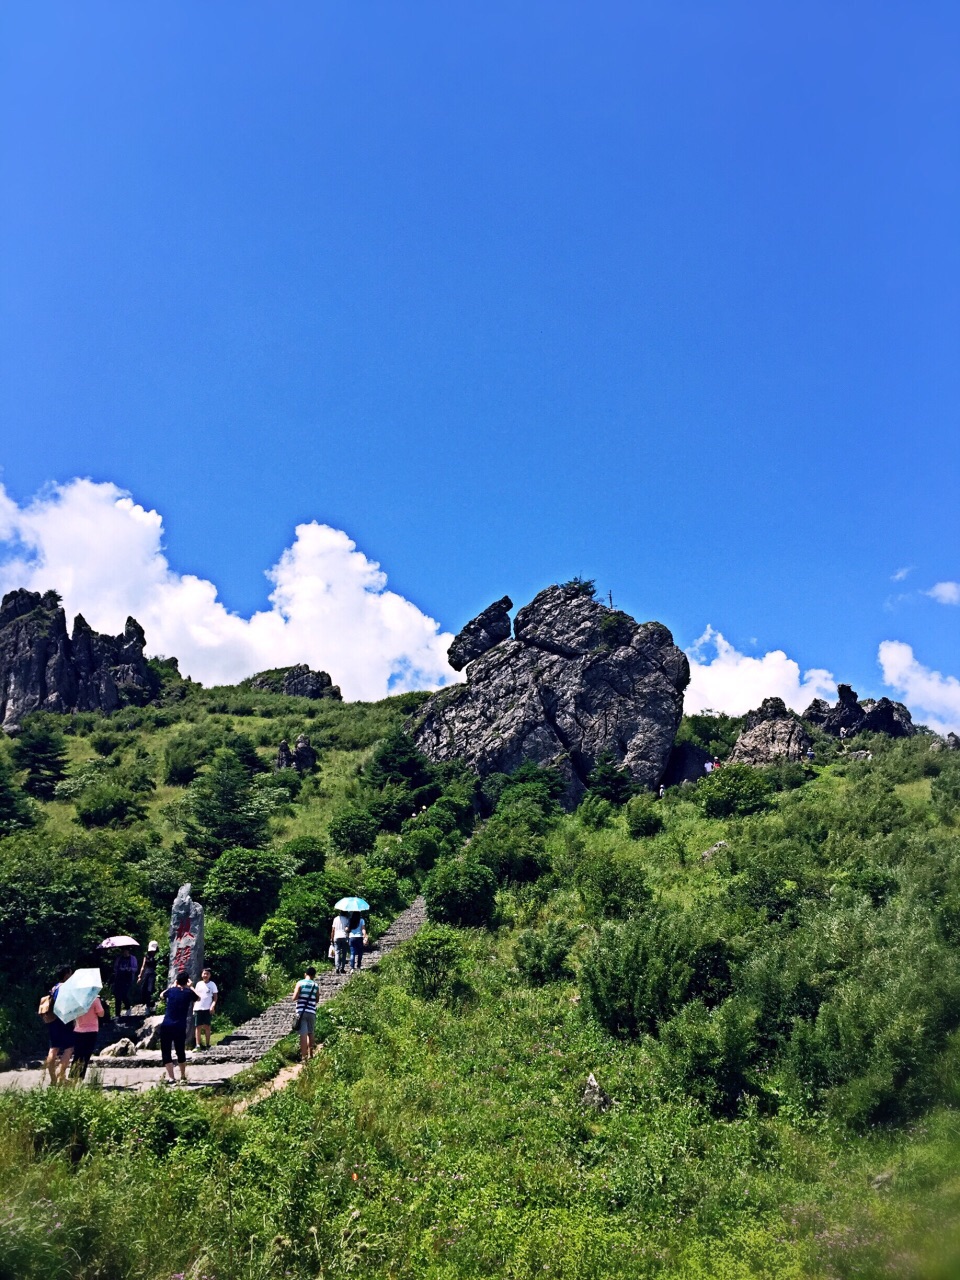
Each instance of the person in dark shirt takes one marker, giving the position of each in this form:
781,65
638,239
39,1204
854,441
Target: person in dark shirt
180,999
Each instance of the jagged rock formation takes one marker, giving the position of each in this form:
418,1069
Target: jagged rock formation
852,716
479,636
44,669
953,742
576,679
770,733
296,682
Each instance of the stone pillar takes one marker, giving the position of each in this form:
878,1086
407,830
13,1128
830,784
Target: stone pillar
186,936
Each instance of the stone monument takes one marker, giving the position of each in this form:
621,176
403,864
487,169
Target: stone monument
186,936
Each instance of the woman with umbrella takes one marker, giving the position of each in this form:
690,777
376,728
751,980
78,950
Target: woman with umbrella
77,1004
349,931
61,1035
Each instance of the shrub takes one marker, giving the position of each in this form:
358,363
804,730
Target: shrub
104,742
434,961
607,778
381,888
460,891
733,791
945,793
709,1054
353,830
280,937
230,952
543,955
244,884
644,818
224,812
611,883
106,804
639,973
309,853
16,812
595,812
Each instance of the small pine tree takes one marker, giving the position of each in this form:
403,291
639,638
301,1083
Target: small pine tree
41,749
15,810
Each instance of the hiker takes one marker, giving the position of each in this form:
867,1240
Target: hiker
339,937
357,938
306,994
86,1028
180,999
147,977
60,1033
124,969
206,1007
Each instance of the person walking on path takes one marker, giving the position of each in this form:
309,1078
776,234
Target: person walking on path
306,994
357,937
207,990
180,999
124,969
61,1035
86,1028
339,936
147,977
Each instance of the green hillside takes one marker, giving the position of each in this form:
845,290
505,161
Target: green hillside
762,972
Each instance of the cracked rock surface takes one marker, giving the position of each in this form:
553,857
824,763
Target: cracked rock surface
576,679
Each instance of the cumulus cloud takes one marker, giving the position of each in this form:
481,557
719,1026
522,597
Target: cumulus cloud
945,592
329,606
723,679
900,575
935,697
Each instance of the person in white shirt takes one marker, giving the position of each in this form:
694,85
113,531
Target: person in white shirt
339,937
205,1008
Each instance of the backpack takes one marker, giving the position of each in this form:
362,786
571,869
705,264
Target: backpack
46,1007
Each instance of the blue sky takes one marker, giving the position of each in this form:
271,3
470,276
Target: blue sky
664,295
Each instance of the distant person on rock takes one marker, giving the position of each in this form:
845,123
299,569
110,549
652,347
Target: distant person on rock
180,999
124,971
61,1035
339,936
306,994
207,990
86,1028
147,977
357,938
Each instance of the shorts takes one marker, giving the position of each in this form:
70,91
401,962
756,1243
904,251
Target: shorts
307,1023
202,1017
173,1036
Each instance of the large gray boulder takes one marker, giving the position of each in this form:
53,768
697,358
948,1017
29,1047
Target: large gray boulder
852,716
771,733
44,669
296,682
481,634
576,679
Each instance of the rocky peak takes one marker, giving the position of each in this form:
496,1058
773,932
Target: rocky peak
575,680
770,733
769,709
296,682
481,634
852,716
44,669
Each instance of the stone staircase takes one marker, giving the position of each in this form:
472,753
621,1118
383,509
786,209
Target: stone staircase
253,1039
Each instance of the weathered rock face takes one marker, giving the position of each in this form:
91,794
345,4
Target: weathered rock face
479,636
576,679
685,764
771,733
852,716
186,936
297,682
44,669
953,742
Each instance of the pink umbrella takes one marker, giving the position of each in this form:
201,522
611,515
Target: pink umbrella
121,940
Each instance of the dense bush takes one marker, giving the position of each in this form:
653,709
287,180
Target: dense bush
644,817
608,779
611,883
733,791
223,809
40,748
16,812
309,853
244,885
460,891
106,804
353,830
230,952
434,961
543,955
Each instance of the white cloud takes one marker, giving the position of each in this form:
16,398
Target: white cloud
936,697
900,574
734,682
330,606
945,592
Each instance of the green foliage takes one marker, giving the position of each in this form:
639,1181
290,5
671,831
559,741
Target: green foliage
594,811
397,762
640,973
709,1053
309,853
434,961
460,891
579,586
353,830
230,952
945,791
644,817
733,791
612,883
108,804
243,885
40,748
381,887
543,955
609,780
713,732
280,937
16,812
223,809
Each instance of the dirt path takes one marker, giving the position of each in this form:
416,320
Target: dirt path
236,1051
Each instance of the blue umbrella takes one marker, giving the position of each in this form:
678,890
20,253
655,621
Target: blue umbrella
77,994
351,904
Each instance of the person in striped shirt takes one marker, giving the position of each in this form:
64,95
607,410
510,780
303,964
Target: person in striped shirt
306,994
